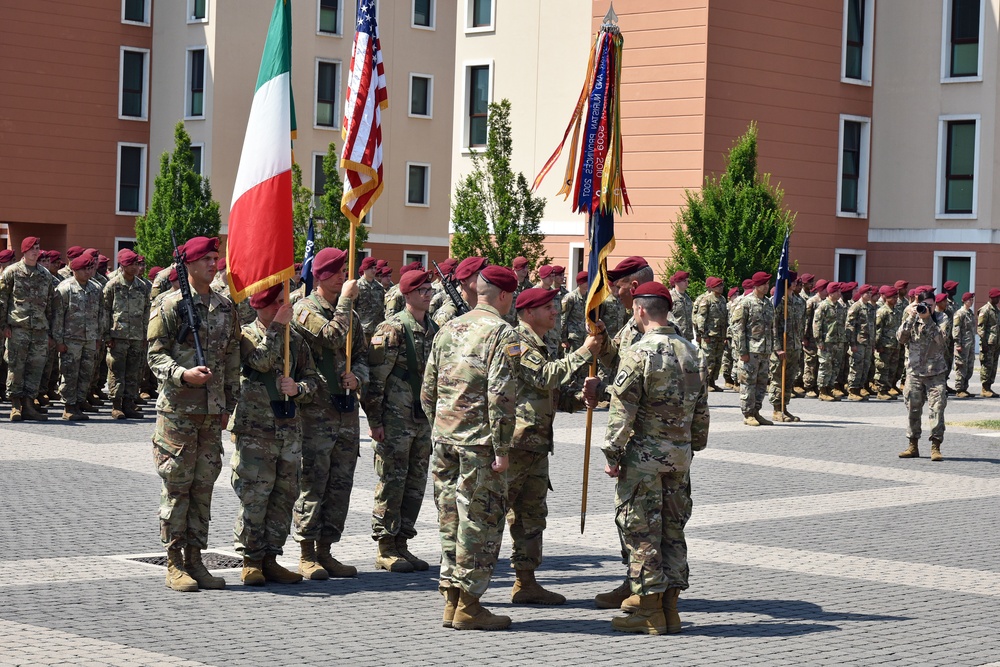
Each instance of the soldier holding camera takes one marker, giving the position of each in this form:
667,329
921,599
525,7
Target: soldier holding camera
922,334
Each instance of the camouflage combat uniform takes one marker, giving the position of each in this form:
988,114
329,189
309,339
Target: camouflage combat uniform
727,350
963,332
831,338
268,454
126,313
988,329
331,439
26,302
448,311
393,301
810,353
539,379
469,394
860,336
658,416
793,348
393,402
796,301
574,319
370,305
553,338
76,323
681,313
900,370
187,443
711,322
50,374
613,314
511,316
887,349
753,337
926,373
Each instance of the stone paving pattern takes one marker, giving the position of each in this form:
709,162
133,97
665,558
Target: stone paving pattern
810,544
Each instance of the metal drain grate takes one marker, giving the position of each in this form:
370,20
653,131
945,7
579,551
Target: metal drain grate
212,560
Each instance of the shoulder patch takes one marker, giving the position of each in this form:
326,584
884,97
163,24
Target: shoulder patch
621,378
513,350
303,316
377,340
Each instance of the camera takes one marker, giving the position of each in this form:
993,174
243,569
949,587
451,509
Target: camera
922,308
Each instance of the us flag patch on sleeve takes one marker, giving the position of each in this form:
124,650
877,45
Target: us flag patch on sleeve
513,350
377,340
303,316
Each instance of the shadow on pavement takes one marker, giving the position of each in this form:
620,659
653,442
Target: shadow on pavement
786,609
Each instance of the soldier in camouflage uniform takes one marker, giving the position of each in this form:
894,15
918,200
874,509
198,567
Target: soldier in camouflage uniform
521,269
539,379
394,301
574,317
400,432
658,417
371,298
466,276
440,296
47,386
330,423
806,281
829,324
791,344
711,322
193,408
681,315
949,289
221,286
126,313
846,301
76,330
72,253
753,342
988,328
26,302
963,332
727,350
886,345
6,259
469,394
160,283
810,353
267,430
905,298
860,329
922,333
547,274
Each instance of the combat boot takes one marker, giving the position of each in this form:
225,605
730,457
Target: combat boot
670,610
198,571
177,577
728,384
16,402
96,400
648,619
789,417
826,395
131,412
71,413
936,454
988,392
308,565
470,615
388,558
418,564
101,394
450,604
714,388
963,394
761,420
838,392
855,395
528,591
86,406
885,396
912,452
277,573
252,575
117,409
43,400
615,598
864,392
333,566
751,420
893,391
778,416
812,393
30,412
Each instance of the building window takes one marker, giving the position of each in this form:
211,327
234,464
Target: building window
963,22
960,166
319,178
135,11
134,83
423,13
410,256
421,94
852,190
123,243
959,269
131,178
196,84
329,17
327,97
197,11
418,184
849,265
198,158
478,104
859,26
480,15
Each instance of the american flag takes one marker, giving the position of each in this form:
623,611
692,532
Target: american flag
362,133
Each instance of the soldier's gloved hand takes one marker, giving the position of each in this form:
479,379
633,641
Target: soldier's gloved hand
349,290
287,385
500,464
284,316
377,433
197,376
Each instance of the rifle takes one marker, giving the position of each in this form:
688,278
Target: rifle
190,321
450,290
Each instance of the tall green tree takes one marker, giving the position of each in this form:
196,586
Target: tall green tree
735,225
494,213
336,228
302,202
182,202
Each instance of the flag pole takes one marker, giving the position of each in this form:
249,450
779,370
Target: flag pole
784,347
586,455
350,276
288,360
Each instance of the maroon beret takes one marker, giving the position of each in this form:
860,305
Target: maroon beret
627,267
298,267
412,280
448,266
28,243
172,276
73,252
807,277
581,278
55,256
221,264
126,257
820,285
712,282
865,289
535,297
994,293
558,270
654,289
198,247
902,284
950,286
678,276
792,276
833,287
380,263
748,290
368,263
545,270
6,255
93,252
102,260
519,263
469,266
500,276
415,266
81,262
888,291
142,259
940,298
968,295
328,261
911,293
153,272
385,270
733,291
747,284
403,270
851,285
760,278
266,297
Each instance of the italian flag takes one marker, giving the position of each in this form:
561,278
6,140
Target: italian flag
260,248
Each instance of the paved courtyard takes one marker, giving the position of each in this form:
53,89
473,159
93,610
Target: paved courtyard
810,544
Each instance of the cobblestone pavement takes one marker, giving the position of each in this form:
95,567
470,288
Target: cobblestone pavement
810,544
